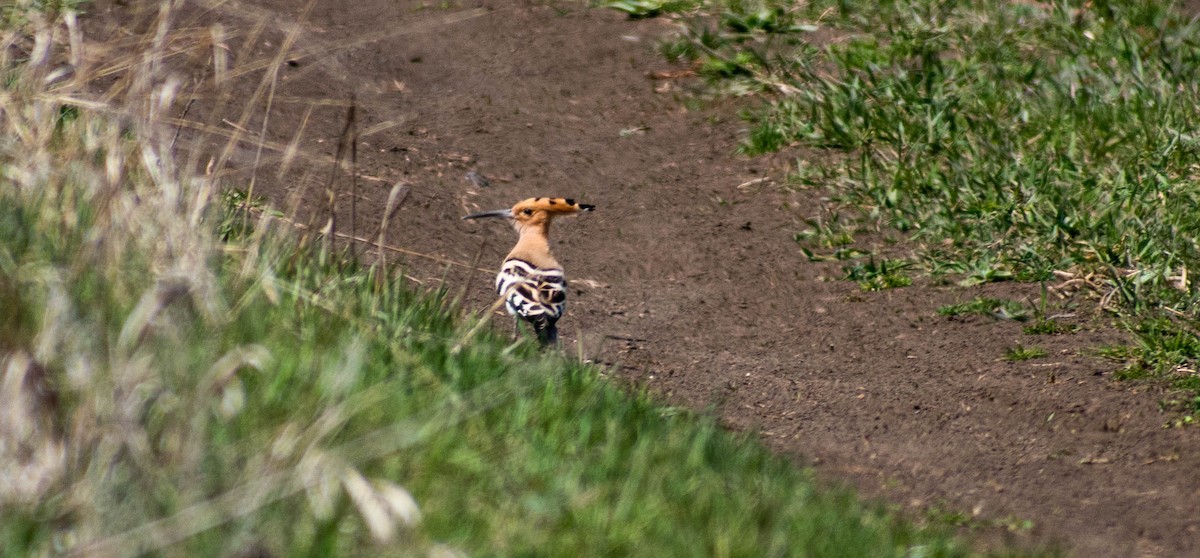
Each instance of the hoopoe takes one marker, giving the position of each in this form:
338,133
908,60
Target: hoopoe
530,281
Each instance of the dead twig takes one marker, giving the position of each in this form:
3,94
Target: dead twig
483,320
474,263
396,198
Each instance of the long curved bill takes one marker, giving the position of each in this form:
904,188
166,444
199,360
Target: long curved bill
506,213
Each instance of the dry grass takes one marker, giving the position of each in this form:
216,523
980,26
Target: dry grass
124,243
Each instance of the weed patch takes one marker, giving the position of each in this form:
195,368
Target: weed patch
1049,326
1002,309
879,275
1021,352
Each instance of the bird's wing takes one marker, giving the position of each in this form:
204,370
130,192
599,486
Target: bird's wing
531,292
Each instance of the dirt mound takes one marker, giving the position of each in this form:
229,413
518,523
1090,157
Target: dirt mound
686,279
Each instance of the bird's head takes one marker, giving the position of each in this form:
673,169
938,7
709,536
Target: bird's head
535,212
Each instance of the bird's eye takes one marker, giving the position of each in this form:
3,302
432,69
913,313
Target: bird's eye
528,211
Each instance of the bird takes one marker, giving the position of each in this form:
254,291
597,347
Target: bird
530,281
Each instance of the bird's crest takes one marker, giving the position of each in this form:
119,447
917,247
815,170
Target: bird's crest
551,205
536,210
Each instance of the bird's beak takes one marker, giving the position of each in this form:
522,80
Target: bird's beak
506,213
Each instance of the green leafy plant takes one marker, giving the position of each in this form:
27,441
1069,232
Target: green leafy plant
639,9
878,275
1021,352
1003,309
1048,326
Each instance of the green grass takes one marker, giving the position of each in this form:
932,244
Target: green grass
1006,140
1049,326
177,381
879,275
999,308
1021,352
639,9
966,521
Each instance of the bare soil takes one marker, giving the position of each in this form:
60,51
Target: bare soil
686,280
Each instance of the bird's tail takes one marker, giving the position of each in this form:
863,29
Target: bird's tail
547,332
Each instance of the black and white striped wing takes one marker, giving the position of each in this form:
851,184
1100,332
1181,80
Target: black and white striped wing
530,292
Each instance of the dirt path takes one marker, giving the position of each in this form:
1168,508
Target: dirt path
700,293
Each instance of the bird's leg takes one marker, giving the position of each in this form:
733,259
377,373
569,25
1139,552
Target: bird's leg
516,328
